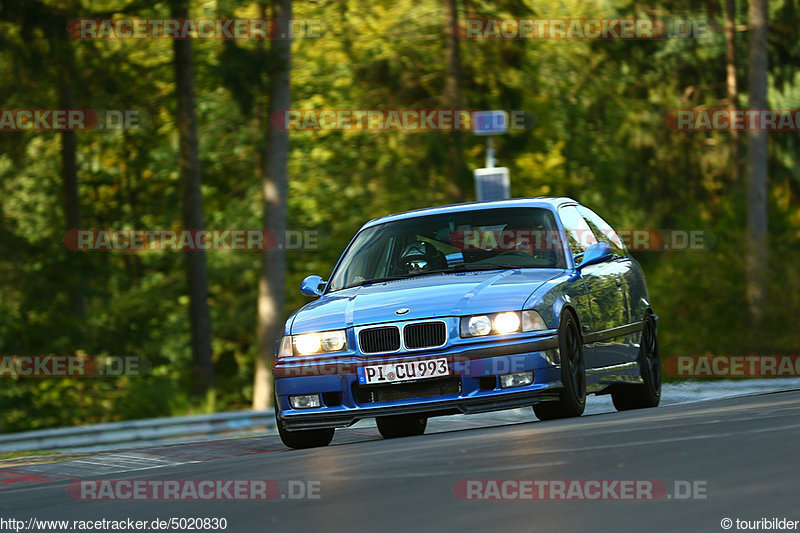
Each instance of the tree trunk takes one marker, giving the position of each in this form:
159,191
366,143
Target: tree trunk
67,73
457,173
757,176
272,283
730,81
70,197
196,271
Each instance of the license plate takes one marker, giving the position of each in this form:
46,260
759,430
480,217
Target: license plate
403,371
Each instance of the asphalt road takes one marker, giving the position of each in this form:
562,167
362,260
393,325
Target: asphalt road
741,455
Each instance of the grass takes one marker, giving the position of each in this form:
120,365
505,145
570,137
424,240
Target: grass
24,453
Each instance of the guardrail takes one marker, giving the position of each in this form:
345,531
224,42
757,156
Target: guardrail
137,431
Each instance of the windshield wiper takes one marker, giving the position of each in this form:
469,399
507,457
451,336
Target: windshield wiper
480,267
374,280
395,278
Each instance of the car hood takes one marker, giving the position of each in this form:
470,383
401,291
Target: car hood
436,295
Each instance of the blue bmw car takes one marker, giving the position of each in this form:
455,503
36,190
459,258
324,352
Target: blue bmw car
465,309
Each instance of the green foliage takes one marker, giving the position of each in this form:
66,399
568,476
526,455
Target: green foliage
599,137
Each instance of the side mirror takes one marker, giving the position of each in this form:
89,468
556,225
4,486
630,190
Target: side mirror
312,286
599,252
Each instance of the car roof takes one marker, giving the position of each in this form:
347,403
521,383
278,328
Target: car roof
540,201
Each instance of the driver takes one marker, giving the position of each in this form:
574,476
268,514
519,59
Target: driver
420,257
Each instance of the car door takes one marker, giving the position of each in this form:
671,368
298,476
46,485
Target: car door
595,281
618,338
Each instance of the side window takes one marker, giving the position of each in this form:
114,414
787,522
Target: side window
603,231
579,234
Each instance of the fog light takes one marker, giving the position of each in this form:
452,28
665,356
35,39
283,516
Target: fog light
306,401
520,379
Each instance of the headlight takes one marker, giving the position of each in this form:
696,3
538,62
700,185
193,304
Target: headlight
501,323
307,343
313,343
506,323
479,325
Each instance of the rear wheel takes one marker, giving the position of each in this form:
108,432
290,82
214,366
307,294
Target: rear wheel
392,427
303,438
648,394
572,399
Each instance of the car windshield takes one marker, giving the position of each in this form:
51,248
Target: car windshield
487,239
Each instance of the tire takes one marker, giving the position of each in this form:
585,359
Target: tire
572,398
627,397
392,427
305,438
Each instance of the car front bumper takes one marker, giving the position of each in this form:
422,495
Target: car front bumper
472,387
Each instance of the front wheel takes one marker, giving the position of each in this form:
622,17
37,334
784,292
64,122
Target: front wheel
304,438
392,427
648,394
572,399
